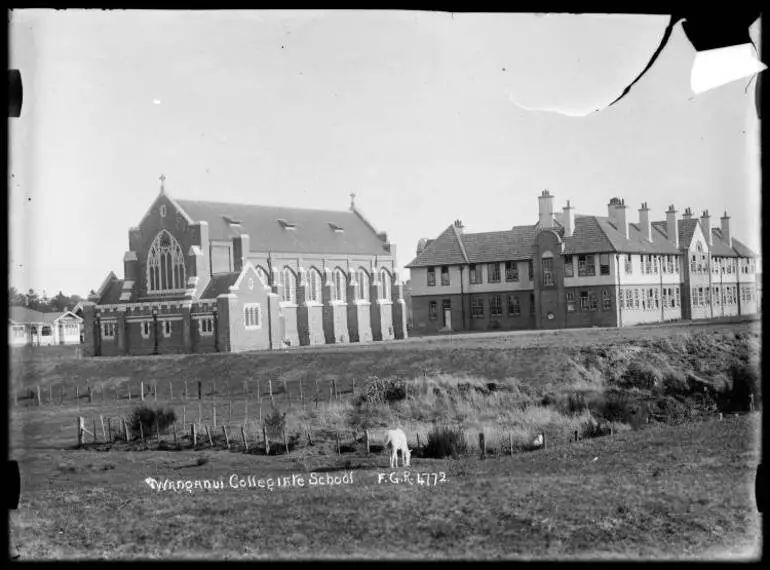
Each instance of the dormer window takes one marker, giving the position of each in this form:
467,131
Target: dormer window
336,228
287,225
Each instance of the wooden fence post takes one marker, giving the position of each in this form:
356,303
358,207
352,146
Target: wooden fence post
309,437
170,391
186,393
176,442
245,411
200,413
184,416
331,393
267,443
334,388
129,392
482,445
285,442
155,391
81,427
577,436
200,389
259,393
243,437
104,433
337,436
301,393
751,402
366,439
229,411
90,395
283,382
77,393
208,433
141,390
94,433
418,440
37,395
141,431
157,431
270,389
510,441
194,436
214,415
227,439
125,429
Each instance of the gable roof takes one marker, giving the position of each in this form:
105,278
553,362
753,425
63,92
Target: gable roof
219,285
686,229
444,250
311,231
27,315
510,245
111,293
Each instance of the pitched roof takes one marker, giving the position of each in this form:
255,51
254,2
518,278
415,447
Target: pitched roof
27,315
720,248
513,244
686,229
219,285
444,250
742,250
302,231
111,294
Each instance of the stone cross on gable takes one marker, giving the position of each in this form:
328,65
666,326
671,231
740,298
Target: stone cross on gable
352,199
162,180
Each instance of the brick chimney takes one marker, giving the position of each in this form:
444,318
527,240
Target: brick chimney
671,229
568,219
545,209
727,233
458,224
687,214
705,222
644,222
421,245
620,216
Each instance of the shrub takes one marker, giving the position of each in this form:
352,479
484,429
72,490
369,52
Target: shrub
275,420
745,383
445,441
150,419
641,374
384,391
615,407
576,404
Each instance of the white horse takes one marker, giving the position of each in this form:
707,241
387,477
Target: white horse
396,440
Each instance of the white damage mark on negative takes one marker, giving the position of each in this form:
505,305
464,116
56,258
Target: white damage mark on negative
156,101
560,110
716,67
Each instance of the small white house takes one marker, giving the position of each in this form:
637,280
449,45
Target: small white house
27,327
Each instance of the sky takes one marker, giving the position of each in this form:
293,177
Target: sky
426,116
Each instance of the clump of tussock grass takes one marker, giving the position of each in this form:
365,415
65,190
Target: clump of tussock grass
145,420
445,441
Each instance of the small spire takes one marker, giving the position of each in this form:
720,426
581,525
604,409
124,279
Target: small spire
162,180
352,200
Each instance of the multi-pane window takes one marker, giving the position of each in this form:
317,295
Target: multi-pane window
495,307
586,265
166,328
629,299
433,310
637,304
477,307
165,264
547,265
569,268
655,264
584,300
252,316
313,289
570,301
531,303
657,299
493,272
19,332
145,327
431,276
678,300
206,326
604,264
385,279
474,273
670,263
717,297
628,264
648,264
593,304
511,271
288,286
445,276
109,328
339,283
530,268
362,285
664,297
514,307
606,301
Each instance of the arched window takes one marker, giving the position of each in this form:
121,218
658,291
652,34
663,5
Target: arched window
263,275
385,278
313,287
165,264
362,287
289,286
339,282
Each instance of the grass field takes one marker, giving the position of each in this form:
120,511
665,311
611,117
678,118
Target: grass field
662,491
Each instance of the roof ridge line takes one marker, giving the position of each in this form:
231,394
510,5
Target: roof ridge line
458,235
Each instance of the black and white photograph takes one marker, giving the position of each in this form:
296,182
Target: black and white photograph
384,285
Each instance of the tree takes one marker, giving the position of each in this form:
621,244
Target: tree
59,302
32,300
15,298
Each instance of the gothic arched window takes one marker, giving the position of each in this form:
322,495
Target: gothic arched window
385,278
165,264
263,275
289,286
339,282
313,287
362,287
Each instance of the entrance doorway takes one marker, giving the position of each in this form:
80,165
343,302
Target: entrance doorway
446,311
